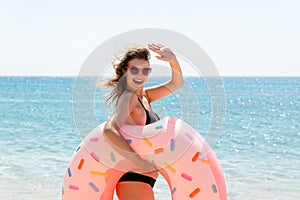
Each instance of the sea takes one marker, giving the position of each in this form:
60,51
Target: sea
252,124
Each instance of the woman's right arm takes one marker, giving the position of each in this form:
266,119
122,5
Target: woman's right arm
111,131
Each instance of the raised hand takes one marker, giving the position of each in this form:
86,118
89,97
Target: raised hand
165,53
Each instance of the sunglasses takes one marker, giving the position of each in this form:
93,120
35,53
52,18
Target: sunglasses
134,70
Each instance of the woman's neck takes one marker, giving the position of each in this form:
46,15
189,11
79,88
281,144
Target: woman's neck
139,92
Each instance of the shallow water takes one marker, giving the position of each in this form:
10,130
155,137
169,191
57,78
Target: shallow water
258,147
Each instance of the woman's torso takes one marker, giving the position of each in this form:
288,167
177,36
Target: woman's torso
141,115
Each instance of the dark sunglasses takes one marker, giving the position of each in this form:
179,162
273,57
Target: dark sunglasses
134,70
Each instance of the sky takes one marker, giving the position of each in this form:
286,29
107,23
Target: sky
243,38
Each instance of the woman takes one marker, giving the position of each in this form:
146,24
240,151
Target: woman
133,107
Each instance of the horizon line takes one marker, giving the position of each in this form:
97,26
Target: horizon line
74,76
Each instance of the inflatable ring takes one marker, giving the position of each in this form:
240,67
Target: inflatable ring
178,151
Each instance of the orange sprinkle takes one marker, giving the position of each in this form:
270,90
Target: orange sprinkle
194,193
81,164
170,167
159,150
148,142
208,162
98,173
196,156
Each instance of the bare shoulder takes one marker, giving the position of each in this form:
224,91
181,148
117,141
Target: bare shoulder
125,105
145,94
127,99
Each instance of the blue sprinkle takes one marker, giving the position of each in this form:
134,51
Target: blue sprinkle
94,187
214,188
173,190
129,141
155,165
69,172
112,157
172,144
78,148
159,127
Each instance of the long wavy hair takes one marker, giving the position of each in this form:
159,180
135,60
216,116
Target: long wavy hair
119,81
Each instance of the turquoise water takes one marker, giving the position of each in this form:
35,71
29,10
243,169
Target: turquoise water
258,147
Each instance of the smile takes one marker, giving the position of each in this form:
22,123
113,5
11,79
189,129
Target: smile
137,81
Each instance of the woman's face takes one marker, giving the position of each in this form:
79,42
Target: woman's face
137,73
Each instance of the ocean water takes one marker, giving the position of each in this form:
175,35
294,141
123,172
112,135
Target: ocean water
258,145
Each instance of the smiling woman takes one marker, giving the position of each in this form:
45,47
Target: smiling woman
133,108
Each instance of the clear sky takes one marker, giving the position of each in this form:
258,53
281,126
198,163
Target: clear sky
243,38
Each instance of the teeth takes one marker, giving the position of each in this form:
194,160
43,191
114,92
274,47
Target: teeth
138,81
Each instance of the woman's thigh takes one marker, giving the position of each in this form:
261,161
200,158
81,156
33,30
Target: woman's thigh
131,190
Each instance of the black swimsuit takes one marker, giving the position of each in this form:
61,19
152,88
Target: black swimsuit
151,117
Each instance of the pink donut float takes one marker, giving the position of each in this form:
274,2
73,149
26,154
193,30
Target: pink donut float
181,155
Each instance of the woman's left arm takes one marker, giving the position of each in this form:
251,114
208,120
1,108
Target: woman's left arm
160,91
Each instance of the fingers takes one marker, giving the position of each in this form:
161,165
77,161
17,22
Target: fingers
152,174
165,54
156,47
